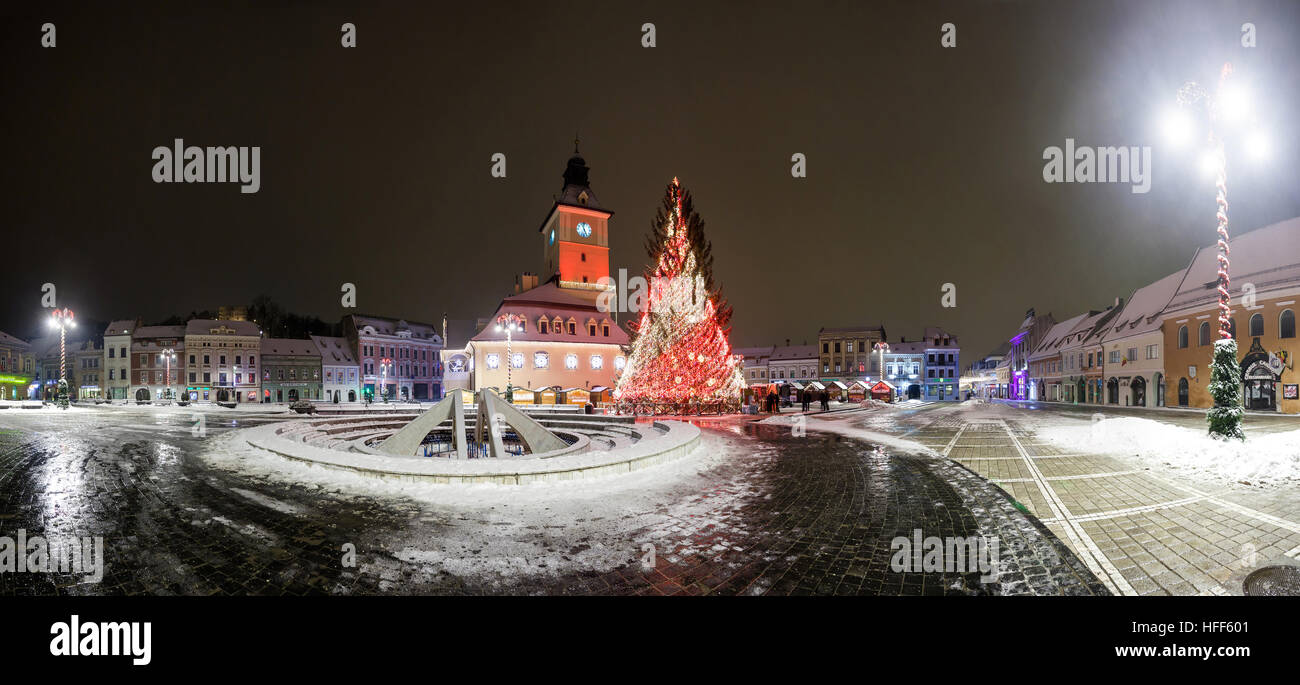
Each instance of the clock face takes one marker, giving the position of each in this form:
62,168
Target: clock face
584,229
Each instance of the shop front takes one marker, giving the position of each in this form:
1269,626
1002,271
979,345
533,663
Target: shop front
14,387
882,391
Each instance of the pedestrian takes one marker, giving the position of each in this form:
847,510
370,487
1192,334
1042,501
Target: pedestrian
826,400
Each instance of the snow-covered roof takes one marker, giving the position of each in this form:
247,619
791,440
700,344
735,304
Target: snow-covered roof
120,327
553,302
289,346
158,332
1050,343
333,350
753,355
794,352
383,325
11,341
1087,329
1141,314
909,347
1267,257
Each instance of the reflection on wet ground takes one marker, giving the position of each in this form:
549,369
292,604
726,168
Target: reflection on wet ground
761,511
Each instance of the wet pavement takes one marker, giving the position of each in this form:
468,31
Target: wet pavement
761,511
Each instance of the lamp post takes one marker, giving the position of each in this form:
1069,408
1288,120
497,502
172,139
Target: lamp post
63,319
508,323
1228,105
383,378
169,356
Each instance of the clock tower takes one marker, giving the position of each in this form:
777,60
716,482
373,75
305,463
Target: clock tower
575,234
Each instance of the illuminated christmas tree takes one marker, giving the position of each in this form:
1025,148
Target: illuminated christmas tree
681,353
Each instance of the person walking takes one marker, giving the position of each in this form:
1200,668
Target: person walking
825,400
805,398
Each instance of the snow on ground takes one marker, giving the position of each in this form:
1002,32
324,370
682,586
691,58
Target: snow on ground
839,427
231,452
1271,459
499,534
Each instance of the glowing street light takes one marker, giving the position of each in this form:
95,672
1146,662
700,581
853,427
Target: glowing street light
1230,106
383,378
63,319
169,356
509,323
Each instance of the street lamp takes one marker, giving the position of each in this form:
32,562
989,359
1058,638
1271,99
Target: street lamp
1231,105
509,323
63,319
169,356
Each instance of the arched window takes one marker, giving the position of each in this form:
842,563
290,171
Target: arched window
1286,324
1182,337
1256,325
1203,334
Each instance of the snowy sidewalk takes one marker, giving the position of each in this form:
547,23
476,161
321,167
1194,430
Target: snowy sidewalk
1145,520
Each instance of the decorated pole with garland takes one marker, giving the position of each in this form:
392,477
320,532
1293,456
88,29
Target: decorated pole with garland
681,355
1224,418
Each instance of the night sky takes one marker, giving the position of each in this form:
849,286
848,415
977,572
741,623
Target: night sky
924,163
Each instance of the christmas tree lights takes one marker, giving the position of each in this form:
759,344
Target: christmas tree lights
681,353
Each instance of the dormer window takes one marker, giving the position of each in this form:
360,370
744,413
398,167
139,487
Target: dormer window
582,198
542,325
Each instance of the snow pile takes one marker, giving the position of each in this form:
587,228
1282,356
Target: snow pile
875,404
1269,459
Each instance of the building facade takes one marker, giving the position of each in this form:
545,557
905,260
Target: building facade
154,374
399,359
1132,348
905,369
221,360
291,370
116,368
755,364
17,368
792,363
567,334
980,379
340,373
89,365
1043,379
846,353
942,364
1015,376
1267,260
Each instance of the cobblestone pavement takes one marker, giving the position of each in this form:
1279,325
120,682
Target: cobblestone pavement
1143,528
759,512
